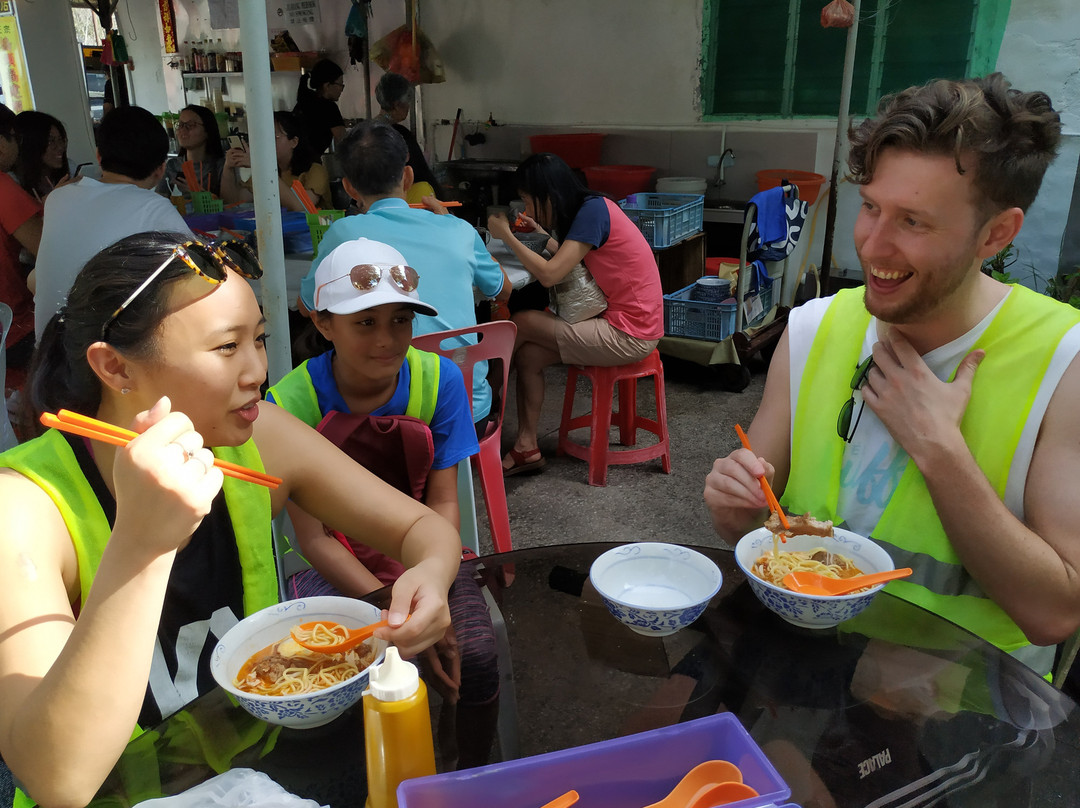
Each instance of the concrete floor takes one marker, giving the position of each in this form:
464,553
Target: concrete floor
639,502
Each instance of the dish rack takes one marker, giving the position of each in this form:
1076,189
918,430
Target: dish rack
665,219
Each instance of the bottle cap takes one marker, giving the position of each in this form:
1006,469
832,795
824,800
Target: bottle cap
393,680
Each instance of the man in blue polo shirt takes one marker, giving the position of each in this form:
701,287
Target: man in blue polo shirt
446,251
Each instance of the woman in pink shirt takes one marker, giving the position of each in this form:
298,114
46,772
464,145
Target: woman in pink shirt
586,227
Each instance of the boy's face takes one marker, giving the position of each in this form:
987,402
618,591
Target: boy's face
370,344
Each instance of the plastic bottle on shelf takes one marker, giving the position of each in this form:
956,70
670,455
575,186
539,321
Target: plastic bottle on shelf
397,729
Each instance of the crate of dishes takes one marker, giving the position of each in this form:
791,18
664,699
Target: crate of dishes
632,770
665,219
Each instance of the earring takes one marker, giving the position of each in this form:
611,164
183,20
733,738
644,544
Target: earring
125,390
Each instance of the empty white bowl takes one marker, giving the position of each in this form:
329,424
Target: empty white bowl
274,623
655,588
813,611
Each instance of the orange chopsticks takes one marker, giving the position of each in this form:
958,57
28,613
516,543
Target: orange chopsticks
450,204
774,503
87,427
305,200
193,181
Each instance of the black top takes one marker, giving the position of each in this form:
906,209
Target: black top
318,116
421,170
203,600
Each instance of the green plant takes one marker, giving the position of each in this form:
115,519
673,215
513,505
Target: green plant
998,265
1066,288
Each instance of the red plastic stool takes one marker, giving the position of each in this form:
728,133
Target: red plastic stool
600,418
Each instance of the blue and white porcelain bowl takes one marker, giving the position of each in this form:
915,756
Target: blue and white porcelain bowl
274,623
813,611
655,588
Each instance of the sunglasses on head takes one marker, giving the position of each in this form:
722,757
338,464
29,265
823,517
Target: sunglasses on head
366,277
844,428
210,262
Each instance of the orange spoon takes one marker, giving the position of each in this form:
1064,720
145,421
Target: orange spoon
720,794
353,636
703,776
565,801
811,583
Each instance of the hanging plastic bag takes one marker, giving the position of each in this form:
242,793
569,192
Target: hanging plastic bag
838,14
415,58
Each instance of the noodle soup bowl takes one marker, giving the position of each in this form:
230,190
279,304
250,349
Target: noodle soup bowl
654,588
274,623
813,611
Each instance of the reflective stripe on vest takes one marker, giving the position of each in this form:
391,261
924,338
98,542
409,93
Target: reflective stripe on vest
49,463
296,391
1019,344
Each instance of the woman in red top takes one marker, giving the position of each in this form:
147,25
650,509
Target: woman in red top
20,227
587,228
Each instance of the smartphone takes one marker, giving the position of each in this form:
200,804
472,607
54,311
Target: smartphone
79,168
236,142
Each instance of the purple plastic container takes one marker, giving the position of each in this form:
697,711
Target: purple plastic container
633,770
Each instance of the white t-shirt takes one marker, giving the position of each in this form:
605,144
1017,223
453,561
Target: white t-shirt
873,461
83,218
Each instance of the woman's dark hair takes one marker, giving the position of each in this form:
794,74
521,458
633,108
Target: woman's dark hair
32,131
210,126
292,126
546,178
60,376
1013,136
391,89
7,122
324,72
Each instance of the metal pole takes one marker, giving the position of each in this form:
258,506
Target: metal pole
841,134
264,183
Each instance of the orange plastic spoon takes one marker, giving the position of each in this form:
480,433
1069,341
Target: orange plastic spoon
565,801
703,776
720,794
354,637
812,583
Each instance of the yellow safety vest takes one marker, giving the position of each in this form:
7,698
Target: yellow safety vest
296,391
1019,344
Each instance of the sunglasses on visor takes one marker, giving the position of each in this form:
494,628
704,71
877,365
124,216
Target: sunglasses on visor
366,277
210,262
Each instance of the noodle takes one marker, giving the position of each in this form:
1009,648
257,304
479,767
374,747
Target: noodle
286,668
773,565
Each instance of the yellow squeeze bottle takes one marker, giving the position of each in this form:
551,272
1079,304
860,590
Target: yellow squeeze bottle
397,729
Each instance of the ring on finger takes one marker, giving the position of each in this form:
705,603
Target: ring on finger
200,456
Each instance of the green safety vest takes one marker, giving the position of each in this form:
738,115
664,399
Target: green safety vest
1019,344
296,391
49,462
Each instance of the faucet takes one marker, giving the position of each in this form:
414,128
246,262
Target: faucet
727,158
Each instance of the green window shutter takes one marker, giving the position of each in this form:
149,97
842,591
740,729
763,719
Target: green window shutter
772,58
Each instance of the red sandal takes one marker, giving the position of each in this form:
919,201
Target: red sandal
523,462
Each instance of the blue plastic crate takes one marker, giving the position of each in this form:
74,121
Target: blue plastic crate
697,319
665,219
701,319
632,770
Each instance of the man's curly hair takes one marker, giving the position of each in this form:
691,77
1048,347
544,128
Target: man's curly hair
1012,136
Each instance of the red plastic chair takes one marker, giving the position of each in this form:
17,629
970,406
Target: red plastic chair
496,342
600,417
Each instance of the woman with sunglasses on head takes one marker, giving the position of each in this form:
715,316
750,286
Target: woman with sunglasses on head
43,161
316,105
199,138
124,565
294,162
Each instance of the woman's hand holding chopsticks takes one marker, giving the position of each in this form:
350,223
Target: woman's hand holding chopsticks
165,480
